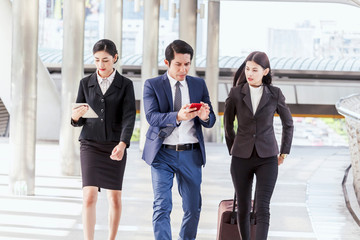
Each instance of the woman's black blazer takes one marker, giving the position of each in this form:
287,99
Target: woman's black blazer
256,130
116,110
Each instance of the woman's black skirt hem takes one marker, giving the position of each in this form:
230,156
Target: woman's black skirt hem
97,168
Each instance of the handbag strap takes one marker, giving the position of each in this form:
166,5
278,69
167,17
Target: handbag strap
234,203
233,213
253,212
253,207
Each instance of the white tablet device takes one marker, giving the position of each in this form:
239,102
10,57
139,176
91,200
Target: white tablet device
89,114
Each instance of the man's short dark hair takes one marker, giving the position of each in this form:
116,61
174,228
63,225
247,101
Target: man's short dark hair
178,46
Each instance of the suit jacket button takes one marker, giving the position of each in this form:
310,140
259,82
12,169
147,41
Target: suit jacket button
102,100
254,135
102,110
101,120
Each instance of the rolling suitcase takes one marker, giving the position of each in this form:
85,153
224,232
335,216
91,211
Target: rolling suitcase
227,222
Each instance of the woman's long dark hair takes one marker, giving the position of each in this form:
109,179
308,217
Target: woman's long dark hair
259,58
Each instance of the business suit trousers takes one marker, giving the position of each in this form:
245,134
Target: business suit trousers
242,172
186,165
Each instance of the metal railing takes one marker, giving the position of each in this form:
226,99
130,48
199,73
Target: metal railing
349,107
346,196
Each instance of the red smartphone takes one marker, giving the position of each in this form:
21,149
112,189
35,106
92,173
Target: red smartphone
196,105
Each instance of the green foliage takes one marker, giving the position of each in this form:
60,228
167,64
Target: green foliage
136,134
337,124
221,119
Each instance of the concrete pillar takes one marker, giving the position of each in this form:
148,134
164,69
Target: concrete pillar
212,66
149,66
5,43
188,24
72,72
113,25
25,20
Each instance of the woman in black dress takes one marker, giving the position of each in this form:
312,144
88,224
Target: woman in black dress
104,139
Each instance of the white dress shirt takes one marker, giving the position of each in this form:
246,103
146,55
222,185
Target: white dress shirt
256,94
185,133
104,85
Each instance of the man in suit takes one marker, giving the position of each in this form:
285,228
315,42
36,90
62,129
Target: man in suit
174,142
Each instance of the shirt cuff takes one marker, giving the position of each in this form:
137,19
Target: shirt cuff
207,119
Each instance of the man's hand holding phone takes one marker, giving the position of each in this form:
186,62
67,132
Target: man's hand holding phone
204,111
189,111
195,106
186,113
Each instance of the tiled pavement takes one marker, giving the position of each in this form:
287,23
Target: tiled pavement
307,203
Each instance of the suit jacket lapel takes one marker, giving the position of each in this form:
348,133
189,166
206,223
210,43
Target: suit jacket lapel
116,84
247,98
167,89
264,98
93,83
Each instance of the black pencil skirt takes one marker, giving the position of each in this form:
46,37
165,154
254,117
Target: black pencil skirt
97,168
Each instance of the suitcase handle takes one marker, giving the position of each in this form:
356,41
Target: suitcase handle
252,213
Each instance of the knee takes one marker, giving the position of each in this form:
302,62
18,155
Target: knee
192,208
115,202
244,208
162,208
162,204
263,215
89,200
193,212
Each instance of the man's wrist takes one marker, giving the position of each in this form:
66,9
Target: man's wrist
283,155
207,119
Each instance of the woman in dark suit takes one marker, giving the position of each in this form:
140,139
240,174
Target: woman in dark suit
254,101
104,139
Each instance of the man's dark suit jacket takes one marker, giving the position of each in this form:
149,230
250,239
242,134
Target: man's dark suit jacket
116,110
256,130
158,105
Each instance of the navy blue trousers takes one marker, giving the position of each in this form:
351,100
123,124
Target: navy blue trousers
242,172
186,165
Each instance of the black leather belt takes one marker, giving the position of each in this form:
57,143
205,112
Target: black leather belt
182,147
